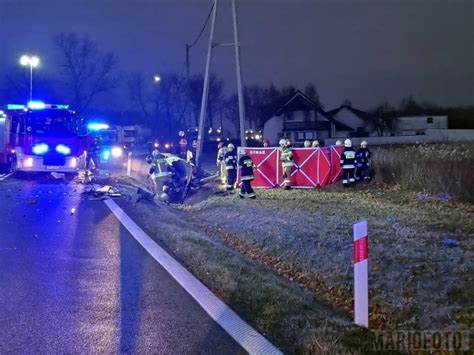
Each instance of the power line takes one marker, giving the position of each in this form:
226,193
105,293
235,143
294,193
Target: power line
203,27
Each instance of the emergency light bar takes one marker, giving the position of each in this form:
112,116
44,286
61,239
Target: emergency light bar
37,105
94,126
15,107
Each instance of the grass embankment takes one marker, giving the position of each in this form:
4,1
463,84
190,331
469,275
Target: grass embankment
284,261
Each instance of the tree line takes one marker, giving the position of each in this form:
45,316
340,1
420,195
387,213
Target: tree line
86,73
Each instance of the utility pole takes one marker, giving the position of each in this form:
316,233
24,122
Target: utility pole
205,91
240,93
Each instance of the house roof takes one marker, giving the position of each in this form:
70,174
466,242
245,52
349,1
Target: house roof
361,114
300,102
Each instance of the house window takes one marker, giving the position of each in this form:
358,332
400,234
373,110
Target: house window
429,120
301,136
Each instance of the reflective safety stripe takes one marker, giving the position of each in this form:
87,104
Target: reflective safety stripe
348,166
352,180
287,181
287,164
345,181
229,168
250,177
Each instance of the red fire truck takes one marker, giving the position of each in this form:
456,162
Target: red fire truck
41,137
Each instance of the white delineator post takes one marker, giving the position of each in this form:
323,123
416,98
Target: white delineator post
361,284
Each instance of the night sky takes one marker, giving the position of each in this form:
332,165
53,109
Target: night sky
368,51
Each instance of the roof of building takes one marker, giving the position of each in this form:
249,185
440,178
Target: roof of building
301,102
360,113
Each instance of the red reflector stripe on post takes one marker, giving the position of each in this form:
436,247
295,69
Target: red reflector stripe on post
361,249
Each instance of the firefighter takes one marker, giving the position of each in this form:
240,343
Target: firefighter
221,170
183,145
230,161
194,146
286,158
307,144
338,142
266,143
93,156
348,161
159,171
363,163
246,168
315,144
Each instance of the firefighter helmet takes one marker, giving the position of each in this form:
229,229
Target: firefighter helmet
181,133
315,143
307,144
363,144
347,143
282,142
230,146
242,151
338,142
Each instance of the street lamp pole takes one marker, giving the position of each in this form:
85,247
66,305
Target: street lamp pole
32,62
31,82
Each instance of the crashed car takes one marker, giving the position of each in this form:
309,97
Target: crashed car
183,176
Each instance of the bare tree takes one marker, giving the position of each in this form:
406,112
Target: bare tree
87,72
383,118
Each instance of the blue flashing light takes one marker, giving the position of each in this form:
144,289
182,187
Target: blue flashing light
15,107
63,149
94,126
105,154
40,149
36,105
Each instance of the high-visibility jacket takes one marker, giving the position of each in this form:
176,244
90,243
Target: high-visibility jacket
348,158
220,155
159,166
286,157
230,160
246,166
363,157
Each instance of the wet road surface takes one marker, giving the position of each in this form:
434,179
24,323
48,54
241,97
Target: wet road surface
79,282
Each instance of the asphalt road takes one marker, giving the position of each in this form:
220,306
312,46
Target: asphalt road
80,283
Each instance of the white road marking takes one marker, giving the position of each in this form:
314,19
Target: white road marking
247,337
5,176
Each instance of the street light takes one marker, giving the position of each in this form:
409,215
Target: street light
157,79
32,62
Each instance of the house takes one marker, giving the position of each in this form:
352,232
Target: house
300,119
417,125
354,118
